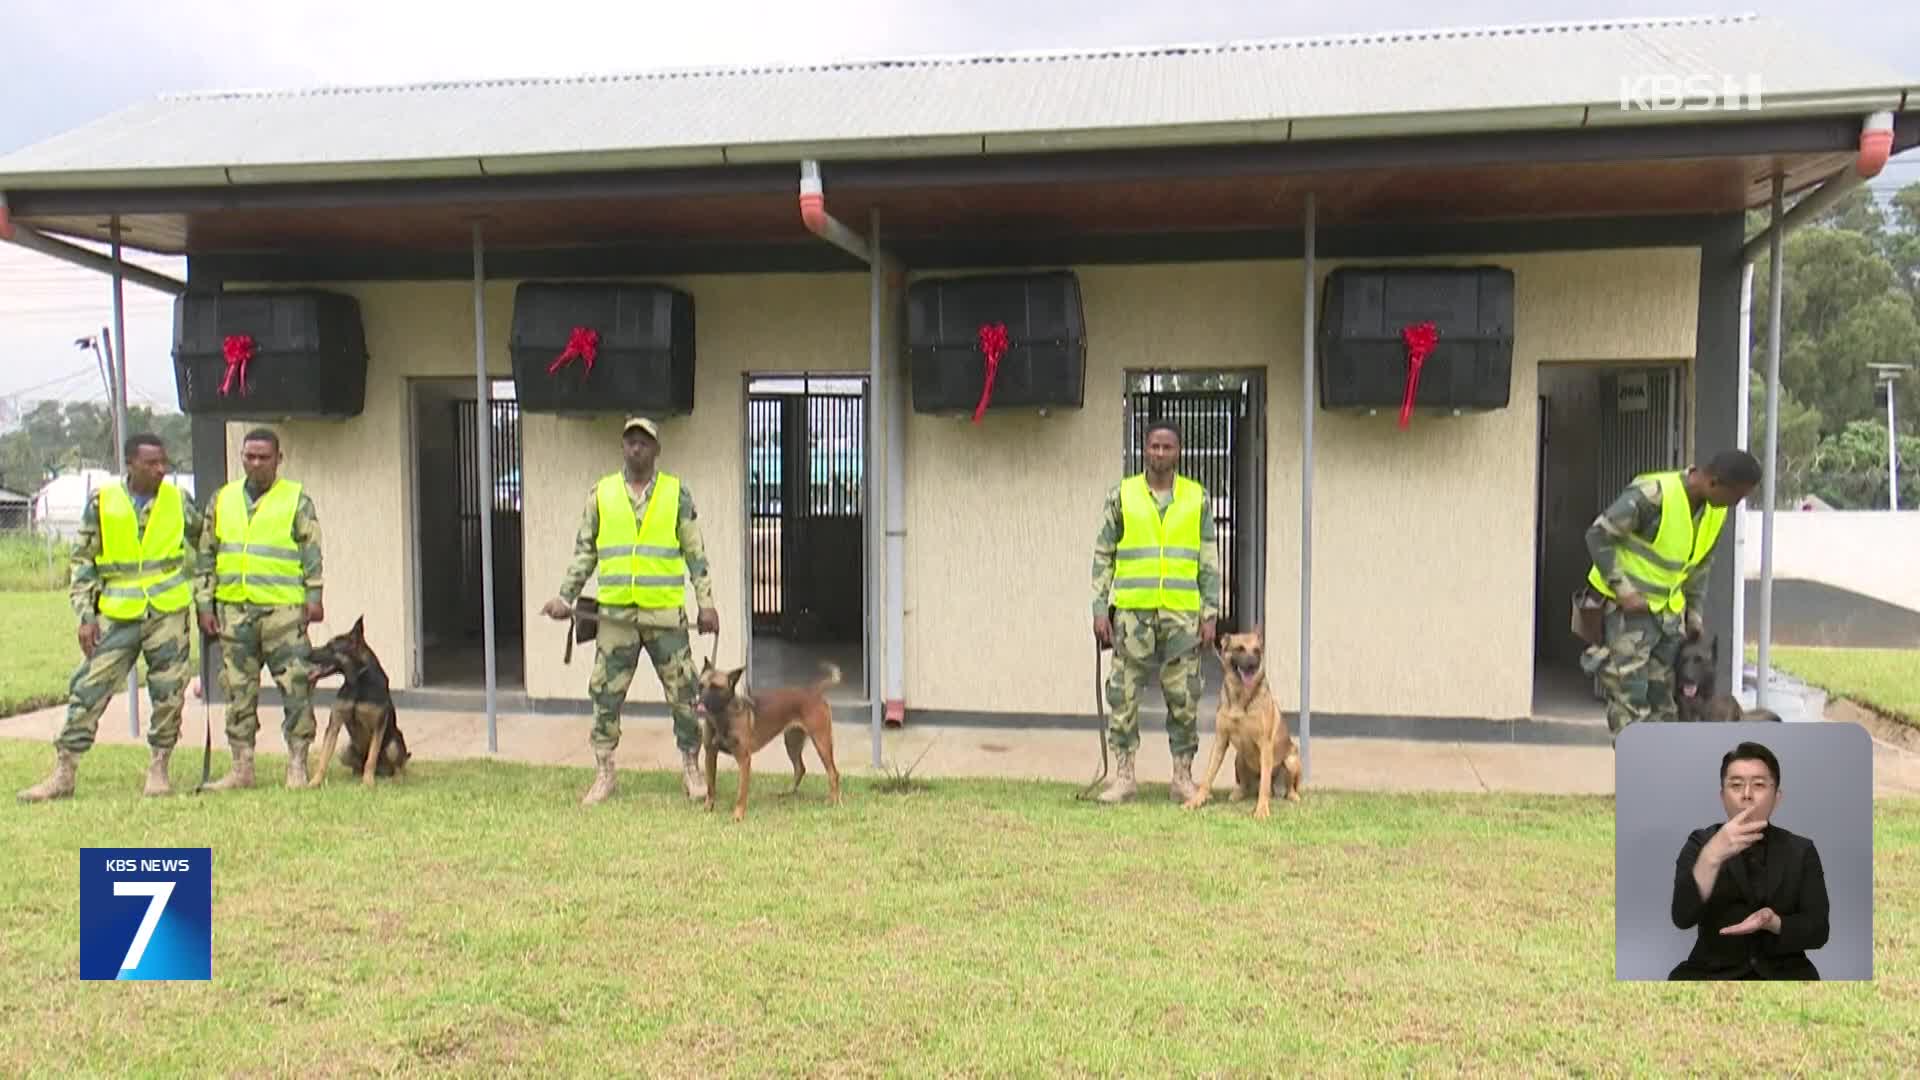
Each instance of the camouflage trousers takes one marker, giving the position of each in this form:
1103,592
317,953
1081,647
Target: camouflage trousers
1142,641
167,642
1635,666
250,636
616,657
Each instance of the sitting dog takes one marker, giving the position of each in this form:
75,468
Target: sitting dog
1249,720
740,725
1694,681
364,706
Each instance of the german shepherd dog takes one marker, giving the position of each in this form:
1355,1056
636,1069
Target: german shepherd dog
738,724
1266,762
1695,682
364,706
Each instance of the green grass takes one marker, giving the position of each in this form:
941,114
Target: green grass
28,563
474,919
37,642
1884,680
38,651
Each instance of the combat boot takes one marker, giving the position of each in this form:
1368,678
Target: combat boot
1183,787
240,775
1121,787
602,778
158,782
694,779
297,763
57,786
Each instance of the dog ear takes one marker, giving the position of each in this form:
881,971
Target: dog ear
706,665
733,678
359,629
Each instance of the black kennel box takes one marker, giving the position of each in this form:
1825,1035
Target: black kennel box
1045,363
1363,359
644,357
304,350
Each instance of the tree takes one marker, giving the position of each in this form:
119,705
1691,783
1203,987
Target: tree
1850,468
1799,441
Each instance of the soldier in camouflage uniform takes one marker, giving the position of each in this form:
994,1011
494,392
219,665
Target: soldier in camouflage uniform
642,560
1652,551
1172,628
132,593
263,542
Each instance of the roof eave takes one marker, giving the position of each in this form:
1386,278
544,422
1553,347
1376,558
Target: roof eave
1294,130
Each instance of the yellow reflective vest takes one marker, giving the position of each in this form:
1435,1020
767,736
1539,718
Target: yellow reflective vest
1157,565
640,562
140,570
1659,570
258,561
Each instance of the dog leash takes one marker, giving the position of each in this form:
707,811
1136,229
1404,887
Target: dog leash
206,706
1100,710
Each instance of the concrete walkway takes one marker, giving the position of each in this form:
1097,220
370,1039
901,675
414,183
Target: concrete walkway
960,750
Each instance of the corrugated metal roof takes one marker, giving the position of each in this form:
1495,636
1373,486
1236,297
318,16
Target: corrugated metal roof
1543,75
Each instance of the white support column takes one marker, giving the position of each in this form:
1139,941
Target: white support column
118,362
483,443
1307,394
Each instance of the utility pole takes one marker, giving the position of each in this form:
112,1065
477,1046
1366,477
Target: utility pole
1887,376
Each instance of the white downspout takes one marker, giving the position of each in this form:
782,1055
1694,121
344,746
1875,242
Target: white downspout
1742,435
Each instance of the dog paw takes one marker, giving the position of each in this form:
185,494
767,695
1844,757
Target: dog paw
1262,812
1193,803
739,815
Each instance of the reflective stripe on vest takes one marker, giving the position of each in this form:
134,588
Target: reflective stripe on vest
1659,570
1157,565
259,562
139,570
640,562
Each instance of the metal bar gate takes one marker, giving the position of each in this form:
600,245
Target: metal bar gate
807,506
502,509
1214,436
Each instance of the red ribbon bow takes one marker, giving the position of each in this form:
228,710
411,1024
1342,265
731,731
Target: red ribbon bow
238,349
1420,339
993,344
584,343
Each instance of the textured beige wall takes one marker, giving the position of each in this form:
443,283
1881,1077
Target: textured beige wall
1423,539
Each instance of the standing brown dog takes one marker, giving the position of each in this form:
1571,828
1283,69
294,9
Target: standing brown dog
740,725
1249,720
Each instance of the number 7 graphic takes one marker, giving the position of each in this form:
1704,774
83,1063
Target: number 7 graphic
160,891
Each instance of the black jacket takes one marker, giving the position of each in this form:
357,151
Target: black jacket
1794,887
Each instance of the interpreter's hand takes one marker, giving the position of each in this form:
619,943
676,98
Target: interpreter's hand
709,621
1103,631
1633,603
316,612
1208,629
1764,919
556,608
89,638
209,625
1740,832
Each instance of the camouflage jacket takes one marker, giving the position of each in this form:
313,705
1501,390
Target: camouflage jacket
1113,525
586,556
84,576
1637,513
306,536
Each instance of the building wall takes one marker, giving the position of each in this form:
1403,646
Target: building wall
1423,539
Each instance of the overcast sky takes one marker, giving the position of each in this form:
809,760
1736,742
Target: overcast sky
68,62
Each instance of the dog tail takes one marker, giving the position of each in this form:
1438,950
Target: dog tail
831,677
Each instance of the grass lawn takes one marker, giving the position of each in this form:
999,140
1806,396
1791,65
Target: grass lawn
475,919
1885,680
37,642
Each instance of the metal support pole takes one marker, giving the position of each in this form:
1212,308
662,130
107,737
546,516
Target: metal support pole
483,443
1743,438
1769,466
119,406
1306,495
877,401
1893,452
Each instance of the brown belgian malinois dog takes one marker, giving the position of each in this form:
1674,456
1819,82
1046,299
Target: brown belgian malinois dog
1249,721
364,707
740,725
